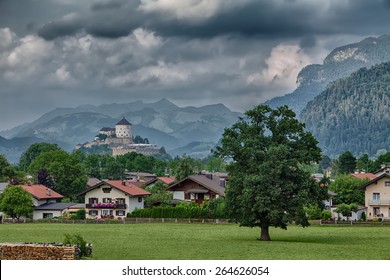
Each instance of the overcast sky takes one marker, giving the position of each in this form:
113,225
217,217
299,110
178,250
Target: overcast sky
65,53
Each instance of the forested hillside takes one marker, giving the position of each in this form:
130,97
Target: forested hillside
353,113
340,63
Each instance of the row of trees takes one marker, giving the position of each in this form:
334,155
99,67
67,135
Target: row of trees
348,163
67,173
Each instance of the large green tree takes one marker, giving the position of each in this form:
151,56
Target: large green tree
16,202
33,152
66,172
267,186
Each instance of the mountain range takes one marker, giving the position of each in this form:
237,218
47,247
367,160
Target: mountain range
162,122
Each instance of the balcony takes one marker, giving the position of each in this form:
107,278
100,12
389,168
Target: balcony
374,202
106,206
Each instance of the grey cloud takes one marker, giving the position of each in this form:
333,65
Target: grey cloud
265,19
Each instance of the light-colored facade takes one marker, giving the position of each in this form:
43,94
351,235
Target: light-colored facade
113,199
196,188
377,197
123,129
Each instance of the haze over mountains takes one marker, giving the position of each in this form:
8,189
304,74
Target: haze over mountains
194,130
162,122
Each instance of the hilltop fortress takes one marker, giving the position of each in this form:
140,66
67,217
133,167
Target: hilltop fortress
120,140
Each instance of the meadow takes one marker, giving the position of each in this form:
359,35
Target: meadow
171,241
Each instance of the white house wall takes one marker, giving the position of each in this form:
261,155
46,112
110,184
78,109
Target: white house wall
131,202
38,214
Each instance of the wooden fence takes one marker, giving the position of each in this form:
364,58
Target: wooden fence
122,221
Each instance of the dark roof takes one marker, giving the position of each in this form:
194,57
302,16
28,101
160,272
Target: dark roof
54,206
107,129
123,122
204,182
375,180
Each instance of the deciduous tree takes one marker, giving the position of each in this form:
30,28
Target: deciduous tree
267,186
16,202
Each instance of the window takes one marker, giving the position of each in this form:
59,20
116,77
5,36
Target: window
106,190
120,213
93,200
140,199
376,196
387,184
47,215
106,212
377,211
107,200
120,200
93,212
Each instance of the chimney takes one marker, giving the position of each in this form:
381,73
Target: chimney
123,183
48,192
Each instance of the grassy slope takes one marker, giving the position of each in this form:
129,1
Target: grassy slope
203,241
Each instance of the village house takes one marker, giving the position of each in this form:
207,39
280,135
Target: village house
42,195
46,202
377,196
52,210
113,199
197,188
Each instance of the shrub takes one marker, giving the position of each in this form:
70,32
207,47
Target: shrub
326,215
363,216
80,214
76,239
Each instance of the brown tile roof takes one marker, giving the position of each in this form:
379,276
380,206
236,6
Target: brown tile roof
41,191
204,182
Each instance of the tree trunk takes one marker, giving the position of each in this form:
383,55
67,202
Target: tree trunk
264,235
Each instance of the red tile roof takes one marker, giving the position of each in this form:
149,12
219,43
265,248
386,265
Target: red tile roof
364,175
128,187
166,180
41,192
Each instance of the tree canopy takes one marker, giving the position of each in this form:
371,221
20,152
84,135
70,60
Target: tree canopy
65,171
267,186
16,202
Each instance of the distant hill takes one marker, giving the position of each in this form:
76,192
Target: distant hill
353,113
340,63
194,150
162,122
13,148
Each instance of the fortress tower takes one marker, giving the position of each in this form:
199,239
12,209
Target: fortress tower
123,129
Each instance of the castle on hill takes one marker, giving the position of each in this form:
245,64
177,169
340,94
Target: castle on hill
120,140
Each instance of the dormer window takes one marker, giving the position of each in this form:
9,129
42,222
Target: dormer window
106,190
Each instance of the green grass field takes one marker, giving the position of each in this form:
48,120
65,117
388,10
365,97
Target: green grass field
217,242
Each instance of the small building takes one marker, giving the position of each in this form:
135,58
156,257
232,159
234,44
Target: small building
113,199
42,194
196,188
377,196
51,210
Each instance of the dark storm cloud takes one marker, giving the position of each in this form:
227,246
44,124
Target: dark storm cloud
267,19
